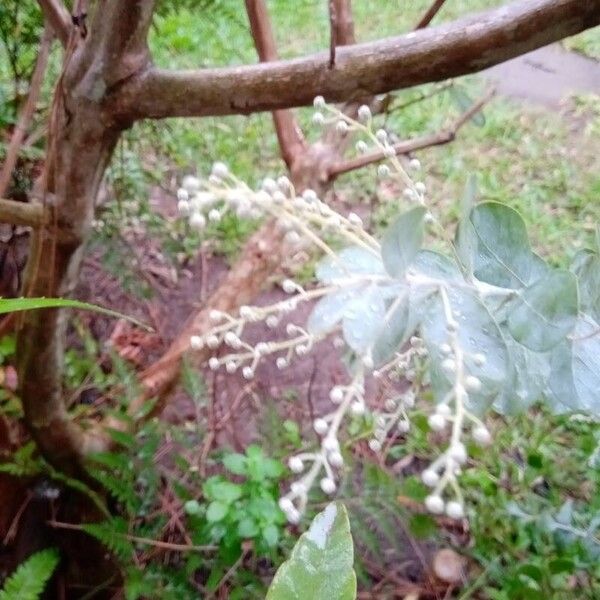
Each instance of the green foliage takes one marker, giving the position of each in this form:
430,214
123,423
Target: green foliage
320,567
30,578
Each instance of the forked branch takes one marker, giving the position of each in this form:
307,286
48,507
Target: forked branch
58,16
464,46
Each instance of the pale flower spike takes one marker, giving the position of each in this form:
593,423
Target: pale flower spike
305,220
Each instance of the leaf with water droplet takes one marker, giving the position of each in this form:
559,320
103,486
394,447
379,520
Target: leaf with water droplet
363,318
402,240
354,260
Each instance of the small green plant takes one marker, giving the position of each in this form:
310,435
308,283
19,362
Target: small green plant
30,578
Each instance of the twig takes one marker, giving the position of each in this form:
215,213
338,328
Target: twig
140,540
332,33
431,12
28,111
22,213
404,147
58,17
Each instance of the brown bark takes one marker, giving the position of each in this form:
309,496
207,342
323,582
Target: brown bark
290,138
58,16
431,12
81,140
464,46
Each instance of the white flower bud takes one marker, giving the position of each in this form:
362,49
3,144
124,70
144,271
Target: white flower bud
310,195
262,348
215,315
214,215
361,146
293,516
414,164
220,170
295,464
472,383
409,194
482,435
403,426
320,426
212,341
230,366
342,127
182,194
319,102
455,510
335,459
443,409
437,422
288,286
449,365
428,218
445,348
330,444
375,445
458,452
420,187
284,183
336,395
246,312
285,504
281,362
213,363
191,184
409,400
196,342
269,185
247,372
183,206
389,151
272,321
232,340
197,220
318,118
279,196
301,350
292,237
368,362
434,504
383,171
364,113
430,478
358,408
381,135
479,359
328,485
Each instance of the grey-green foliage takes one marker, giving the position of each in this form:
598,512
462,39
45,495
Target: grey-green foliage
320,567
30,578
538,327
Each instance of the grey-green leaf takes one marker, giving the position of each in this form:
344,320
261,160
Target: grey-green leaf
328,311
478,334
402,241
545,312
586,266
363,318
349,261
393,331
320,567
586,364
503,255
466,240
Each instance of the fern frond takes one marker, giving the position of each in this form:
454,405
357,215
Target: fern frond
30,578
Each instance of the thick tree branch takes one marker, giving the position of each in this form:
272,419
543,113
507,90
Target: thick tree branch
290,138
58,16
22,213
12,153
464,46
439,138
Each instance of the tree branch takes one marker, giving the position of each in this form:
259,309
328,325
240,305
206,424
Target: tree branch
431,12
58,16
289,135
22,213
12,152
404,147
464,46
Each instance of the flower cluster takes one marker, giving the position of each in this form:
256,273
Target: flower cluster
303,218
